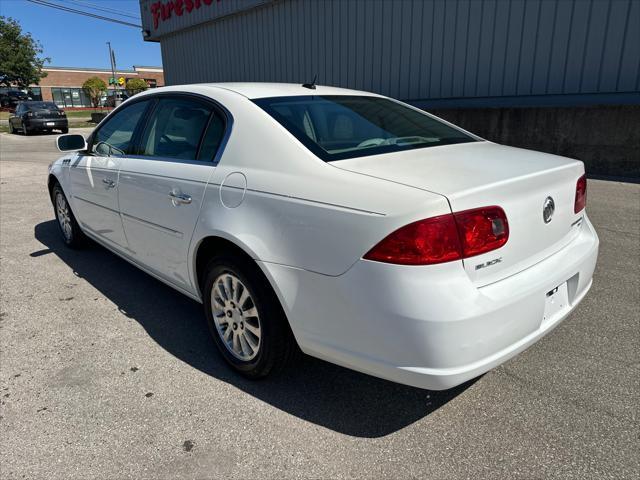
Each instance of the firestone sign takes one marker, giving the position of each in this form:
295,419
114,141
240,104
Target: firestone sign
163,11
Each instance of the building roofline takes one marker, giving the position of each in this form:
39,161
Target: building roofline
107,70
144,67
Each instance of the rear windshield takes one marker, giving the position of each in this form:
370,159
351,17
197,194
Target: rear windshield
40,106
336,127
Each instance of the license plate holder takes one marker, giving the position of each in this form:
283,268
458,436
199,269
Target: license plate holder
50,124
556,301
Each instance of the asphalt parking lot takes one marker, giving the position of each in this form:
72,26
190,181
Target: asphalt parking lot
107,373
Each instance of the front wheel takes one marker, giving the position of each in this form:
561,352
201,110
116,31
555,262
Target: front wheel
71,233
245,318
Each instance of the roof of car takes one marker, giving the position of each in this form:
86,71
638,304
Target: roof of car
265,90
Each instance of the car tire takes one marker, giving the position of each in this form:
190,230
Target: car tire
64,130
25,131
71,233
11,129
257,340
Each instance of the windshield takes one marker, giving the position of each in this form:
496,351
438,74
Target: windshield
40,106
335,127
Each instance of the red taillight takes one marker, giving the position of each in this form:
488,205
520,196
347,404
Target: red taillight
581,194
444,238
482,230
425,242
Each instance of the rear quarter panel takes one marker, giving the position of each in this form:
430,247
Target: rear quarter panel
298,210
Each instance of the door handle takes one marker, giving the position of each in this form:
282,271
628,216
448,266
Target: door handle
108,182
179,198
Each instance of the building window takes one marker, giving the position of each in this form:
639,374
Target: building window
35,93
70,97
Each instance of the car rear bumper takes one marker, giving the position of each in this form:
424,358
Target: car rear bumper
430,327
46,123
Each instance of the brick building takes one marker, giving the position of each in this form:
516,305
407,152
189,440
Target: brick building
63,85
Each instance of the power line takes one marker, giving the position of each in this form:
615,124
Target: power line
80,12
93,6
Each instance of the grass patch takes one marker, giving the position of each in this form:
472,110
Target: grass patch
84,113
76,124
81,125
70,114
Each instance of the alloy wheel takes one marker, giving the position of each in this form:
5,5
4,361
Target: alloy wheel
64,215
236,317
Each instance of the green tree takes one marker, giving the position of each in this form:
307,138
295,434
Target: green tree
136,85
94,87
20,60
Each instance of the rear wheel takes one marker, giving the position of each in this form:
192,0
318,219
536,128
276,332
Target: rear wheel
64,130
245,318
71,233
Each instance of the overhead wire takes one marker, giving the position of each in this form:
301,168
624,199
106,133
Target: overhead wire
81,12
101,8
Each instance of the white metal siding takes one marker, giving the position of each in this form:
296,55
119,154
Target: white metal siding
417,49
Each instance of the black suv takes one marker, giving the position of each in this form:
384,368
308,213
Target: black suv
33,116
12,97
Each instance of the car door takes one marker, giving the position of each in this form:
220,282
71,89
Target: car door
15,117
94,175
161,187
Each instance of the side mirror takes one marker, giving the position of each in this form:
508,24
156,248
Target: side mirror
71,143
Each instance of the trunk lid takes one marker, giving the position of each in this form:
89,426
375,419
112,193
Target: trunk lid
482,174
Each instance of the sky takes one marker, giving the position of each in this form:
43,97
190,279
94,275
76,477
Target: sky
72,40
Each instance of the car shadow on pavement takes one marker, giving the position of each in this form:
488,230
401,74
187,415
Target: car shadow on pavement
316,391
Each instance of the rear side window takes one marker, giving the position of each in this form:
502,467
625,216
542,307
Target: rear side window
114,137
336,127
213,137
175,128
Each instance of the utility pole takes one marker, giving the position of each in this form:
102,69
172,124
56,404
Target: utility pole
112,59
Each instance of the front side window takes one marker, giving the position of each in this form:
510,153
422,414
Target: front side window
336,127
175,128
114,137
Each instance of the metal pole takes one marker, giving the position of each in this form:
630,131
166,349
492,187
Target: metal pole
113,74
113,68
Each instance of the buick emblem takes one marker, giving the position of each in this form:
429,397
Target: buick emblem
547,209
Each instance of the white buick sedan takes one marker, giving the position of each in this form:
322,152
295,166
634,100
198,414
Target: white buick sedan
360,229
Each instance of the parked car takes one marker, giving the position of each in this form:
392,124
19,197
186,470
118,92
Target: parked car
12,97
38,116
363,230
